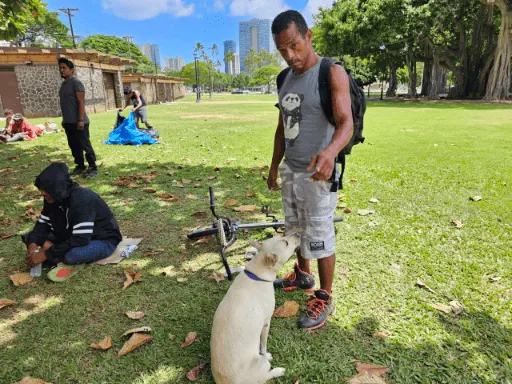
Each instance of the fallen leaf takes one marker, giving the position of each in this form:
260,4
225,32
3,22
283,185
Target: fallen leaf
165,195
231,202
153,252
383,334
128,200
131,277
180,184
494,279
104,344
456,223
181,279
31,214
196,186
193,374
237,175
171,172
288,309
378,370
134,342
134,315
6,302
191,197
296,380
457,308
191,337
342,205
132,185
198,213
217,169
442,307
144,329
374,200
172,337
366,378
251,194
6,170
212,177
347,210
245,208
352,181
365,212
373,224
218,276
31,380
475,198
4,236
185,181
21,278
149,190
203,240
420,283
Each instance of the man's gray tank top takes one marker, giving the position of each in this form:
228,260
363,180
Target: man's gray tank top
306,129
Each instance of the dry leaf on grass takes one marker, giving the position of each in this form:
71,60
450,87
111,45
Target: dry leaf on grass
4,236
31,380
383,334
134,315
31,214
231,202
288,309
212,177
191,337
198,213
193,374
104,344
378,370
137,330
181,279
186,181
475,198
149,190
218,276
179,184
203,240
171,172
191,197
134,342
453,307
251,194
153,252
495,278
132,185
366,378
374,200
296,380
352,181
131,277
172,337
347,210
365,212
245,208
420,283
21,278
6,170
457,223
6,302
442,307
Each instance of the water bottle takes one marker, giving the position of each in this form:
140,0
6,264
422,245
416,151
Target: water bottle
36,270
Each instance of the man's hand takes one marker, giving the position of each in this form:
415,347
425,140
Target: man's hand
36,258
134,109
323,164
80,125
272,180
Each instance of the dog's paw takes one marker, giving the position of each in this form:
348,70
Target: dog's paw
269,356
276,372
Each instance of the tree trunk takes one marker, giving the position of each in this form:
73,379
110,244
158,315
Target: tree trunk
435,83
411,66
498,86
426,81
393,83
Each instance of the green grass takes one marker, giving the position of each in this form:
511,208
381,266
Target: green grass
422,161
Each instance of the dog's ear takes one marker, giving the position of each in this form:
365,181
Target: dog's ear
255,244
270,259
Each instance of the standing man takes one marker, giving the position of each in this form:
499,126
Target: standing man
139,109
75,121
309,145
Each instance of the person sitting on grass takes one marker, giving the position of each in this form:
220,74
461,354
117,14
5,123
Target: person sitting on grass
76,226
5,134
139,106
21,125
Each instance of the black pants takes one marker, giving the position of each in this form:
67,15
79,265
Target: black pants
78,143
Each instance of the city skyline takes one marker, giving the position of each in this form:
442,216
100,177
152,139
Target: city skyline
254,34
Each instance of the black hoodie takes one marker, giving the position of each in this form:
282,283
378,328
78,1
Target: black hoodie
77,216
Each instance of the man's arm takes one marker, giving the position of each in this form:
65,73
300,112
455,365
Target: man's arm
278,155
139,101
80,96
324,161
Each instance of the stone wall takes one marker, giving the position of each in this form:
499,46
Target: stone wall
178,91
95,95
39,89
118,84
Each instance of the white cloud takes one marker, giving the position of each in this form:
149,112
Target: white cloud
218,5
257,8
312,9
143,10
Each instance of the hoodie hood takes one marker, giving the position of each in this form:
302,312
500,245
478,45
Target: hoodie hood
56,181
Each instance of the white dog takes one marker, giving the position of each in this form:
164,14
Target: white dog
240,327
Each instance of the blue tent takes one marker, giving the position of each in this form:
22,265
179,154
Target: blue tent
127,133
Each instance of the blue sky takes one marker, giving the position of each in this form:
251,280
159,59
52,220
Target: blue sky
176,25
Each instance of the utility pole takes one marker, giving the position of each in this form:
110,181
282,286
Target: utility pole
69,12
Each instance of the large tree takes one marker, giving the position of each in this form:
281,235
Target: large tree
265,76
44,30
15,16
255,60
115,46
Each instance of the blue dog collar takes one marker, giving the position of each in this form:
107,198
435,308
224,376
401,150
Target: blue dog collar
254,277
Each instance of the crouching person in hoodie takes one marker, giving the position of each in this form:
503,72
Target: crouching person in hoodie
76,226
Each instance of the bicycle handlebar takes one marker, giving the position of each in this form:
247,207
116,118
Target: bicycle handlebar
212,200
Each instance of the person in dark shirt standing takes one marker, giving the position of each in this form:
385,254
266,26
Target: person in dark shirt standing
75,121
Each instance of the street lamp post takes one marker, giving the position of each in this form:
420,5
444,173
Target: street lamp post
198,92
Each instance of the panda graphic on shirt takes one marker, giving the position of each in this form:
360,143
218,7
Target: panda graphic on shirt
292,116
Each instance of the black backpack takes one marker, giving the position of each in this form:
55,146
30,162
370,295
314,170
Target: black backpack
358,109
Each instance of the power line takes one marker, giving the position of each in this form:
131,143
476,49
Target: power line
68,11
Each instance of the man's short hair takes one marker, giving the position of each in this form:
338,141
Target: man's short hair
66,62
127,89
8,112
283,21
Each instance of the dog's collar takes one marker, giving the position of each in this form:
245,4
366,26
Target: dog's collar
254,277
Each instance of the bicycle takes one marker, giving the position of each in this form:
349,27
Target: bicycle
226,229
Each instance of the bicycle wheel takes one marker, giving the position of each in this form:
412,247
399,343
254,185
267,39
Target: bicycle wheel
202,232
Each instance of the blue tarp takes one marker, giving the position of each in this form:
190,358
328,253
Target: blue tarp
126,133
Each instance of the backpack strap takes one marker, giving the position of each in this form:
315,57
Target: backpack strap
324,87
280,80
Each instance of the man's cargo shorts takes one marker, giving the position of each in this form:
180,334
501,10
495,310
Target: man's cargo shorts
309,205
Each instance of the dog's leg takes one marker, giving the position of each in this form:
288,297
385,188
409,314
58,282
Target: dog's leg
263,340
276,372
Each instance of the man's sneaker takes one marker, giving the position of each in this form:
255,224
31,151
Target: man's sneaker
296,279
91,172
320,307
77,171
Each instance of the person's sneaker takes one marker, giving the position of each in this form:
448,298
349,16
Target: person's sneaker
296,279
77,171
91,172
320,307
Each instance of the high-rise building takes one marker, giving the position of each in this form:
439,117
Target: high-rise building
174,63
229,46
152,52
236,69
254,34
128,39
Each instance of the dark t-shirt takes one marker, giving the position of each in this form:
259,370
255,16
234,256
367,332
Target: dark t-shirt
134,99
69,101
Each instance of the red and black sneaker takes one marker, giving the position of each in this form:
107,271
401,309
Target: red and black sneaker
320,307
296,279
